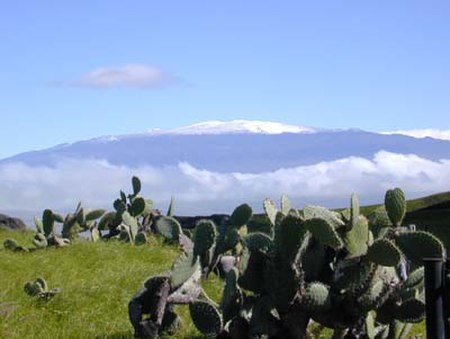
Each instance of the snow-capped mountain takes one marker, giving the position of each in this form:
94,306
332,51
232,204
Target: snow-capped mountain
237,146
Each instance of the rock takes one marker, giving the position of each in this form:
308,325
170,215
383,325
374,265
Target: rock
11,223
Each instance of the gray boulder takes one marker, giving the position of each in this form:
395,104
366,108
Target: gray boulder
11,223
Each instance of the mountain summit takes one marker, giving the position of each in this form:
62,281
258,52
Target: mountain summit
236,126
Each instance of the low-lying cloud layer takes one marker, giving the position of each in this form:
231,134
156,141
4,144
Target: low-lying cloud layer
132,75
198,191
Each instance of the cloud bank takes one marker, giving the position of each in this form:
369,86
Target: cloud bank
131,75
423,133
198,191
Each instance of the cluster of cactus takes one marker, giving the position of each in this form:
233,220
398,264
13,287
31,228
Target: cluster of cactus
218,246
40,289
361,277
132,216
82,220
46,230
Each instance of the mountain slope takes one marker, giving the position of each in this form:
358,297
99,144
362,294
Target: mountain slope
241,152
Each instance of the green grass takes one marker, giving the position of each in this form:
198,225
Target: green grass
97,282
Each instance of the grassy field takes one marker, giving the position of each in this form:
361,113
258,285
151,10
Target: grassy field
97,281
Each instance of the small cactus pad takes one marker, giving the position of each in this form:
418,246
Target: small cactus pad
132,223
183,268
384,252
241,215
395,204
285,205
418,245
316,296
206,318
289,236
137,206
168,227
33,288
258,241
411,311
313,212
354,210
324,232
204,237
136,183
232,295
271,210
40,241
357,238
415,279
171,209
94,214
106,220
232,238
48,222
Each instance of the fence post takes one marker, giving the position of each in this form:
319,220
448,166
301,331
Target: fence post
434,298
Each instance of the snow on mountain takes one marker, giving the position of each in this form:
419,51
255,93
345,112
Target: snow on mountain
236,126
424,133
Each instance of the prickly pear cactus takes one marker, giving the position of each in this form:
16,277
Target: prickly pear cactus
395,204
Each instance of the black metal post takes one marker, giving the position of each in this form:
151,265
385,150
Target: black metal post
434,297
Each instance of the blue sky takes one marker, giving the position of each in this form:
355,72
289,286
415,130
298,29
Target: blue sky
80,69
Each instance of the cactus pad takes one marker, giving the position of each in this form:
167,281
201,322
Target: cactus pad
313,212
324,232
40,241
316,297
137,206
206,317
271,210
168,227
171,209
48,222
289,236
415,279
232,295
240,216
395,204
204,237
258,242
384,252
94,214
418,245
183,268
136,183
285,205
357,238
411,311
132,223
354,210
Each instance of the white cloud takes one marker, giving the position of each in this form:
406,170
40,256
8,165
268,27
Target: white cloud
131,75
199,191
423,133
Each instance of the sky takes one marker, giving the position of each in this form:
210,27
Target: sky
73,70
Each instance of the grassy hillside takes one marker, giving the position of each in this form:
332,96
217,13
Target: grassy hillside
97,282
